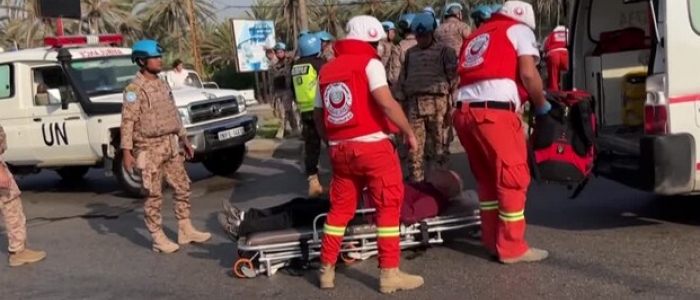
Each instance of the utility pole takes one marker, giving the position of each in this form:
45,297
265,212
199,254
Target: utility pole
195,38
303,15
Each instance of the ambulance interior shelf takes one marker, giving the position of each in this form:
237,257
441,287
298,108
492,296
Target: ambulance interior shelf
613,73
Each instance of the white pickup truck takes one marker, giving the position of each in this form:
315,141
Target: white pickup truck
61,109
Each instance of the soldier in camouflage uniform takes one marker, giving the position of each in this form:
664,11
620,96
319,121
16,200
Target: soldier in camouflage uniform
282,88
386,47
427,77
452,33
326,45
398,55
151,132
13,213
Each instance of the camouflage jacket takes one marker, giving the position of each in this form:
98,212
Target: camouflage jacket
397,58
149,114
452,33
428,71
3,142
280,73
384,51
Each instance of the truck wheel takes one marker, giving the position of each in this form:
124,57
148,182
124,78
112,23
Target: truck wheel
130,183
73,173
225,163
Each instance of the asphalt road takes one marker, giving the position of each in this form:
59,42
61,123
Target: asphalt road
611,243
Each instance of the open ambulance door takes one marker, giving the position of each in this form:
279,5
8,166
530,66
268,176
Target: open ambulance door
619,51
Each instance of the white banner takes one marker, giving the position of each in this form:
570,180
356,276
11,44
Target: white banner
251,38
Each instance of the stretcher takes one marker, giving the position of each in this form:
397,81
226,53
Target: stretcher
268,252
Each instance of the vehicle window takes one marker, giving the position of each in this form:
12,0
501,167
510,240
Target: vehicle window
612,15
193,80
6,82
46,78
105,75
694,8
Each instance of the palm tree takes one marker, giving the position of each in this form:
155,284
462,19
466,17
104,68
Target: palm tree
167,20
331,16
105,16
218,49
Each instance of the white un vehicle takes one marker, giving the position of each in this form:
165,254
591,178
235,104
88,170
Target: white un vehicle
61,109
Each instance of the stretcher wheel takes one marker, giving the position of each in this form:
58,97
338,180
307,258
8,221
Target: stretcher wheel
345,257
239,265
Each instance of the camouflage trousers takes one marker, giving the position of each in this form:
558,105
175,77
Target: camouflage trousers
158,162
284,108
312,143
13,213
430,122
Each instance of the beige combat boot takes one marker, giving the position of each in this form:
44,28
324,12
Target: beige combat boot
532,255
392,280
26,256
326,276
162,244
315,188
187,234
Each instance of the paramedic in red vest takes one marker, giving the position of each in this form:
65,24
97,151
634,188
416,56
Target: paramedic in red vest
356,113
497,74
557,56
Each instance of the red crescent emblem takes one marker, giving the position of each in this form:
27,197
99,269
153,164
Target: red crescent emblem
372,33
339,105
519,11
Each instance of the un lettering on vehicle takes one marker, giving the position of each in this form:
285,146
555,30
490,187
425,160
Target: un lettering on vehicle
99,52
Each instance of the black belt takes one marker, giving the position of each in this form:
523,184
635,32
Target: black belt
489,104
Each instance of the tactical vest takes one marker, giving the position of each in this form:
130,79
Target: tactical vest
305,81
425,71
280,74
159,115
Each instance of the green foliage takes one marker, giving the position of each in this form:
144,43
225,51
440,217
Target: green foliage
228,78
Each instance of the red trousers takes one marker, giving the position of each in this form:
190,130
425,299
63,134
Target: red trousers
557,62
494,142
356,165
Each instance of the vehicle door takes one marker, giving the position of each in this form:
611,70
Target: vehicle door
63,133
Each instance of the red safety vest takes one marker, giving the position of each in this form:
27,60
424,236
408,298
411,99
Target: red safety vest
555,40
488,54
348,108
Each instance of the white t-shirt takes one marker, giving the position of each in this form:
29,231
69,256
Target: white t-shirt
177,79
505,90
376,75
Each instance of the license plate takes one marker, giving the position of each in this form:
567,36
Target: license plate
231,133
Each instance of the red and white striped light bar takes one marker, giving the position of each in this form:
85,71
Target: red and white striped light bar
60,41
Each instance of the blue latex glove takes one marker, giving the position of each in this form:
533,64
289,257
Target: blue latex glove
543,110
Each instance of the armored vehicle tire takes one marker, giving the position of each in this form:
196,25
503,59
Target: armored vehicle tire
130,183
227,162
74,173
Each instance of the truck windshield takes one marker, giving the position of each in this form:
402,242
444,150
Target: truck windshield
104,75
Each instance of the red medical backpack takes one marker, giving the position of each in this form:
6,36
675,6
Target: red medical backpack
562,143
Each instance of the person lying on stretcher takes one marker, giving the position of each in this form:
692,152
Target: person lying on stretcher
421,200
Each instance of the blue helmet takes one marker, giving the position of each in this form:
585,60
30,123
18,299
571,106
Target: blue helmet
324,36
303,32
495,8
388,25
481,13
405,22
452,9
424,23
146,49
280,46
309,44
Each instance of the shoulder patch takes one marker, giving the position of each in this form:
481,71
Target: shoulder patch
130,97
130,88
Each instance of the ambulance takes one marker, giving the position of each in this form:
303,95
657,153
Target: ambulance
60,106
609,42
